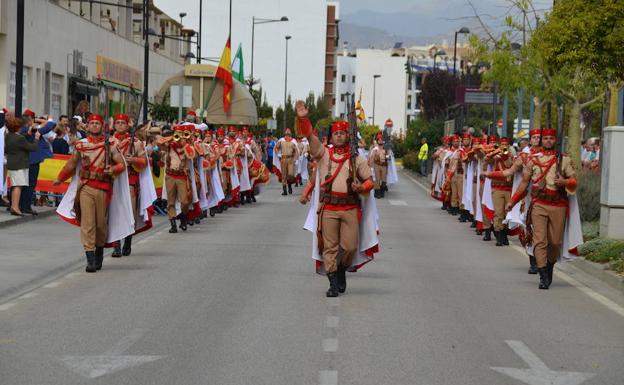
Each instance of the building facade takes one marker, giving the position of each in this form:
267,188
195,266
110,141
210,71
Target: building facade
344,85
84,54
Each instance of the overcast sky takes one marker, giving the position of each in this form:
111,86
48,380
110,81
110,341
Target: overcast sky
432,18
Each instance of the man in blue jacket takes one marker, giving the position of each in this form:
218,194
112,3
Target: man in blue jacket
44,126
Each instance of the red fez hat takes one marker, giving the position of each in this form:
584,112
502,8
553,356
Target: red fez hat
287,131
123,117
467,136
250,134
492,139
95,117
549,132
446,139
28,112
339,125
245,129
379,136
476,140
221,131
191,113
504,141
232,129
179,127
535,132
454,138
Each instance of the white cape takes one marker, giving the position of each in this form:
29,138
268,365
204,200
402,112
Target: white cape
468,187
147,196
203,186
216,194
368,228
245,183
487,192
120,215
392,176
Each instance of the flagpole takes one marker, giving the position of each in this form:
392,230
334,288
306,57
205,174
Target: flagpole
230,32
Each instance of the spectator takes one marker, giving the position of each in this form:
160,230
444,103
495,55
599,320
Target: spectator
523,144
423,156
76,132
269,152
60,144
31,127
18,151
3,132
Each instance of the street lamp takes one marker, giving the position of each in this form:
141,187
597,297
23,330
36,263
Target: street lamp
464,31
374,92
287,37
182,15
439,53
255,21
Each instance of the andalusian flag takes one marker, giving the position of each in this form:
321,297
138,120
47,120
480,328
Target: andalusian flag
237,65
224,72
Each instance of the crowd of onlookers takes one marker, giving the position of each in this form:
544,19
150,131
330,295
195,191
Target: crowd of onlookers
590,154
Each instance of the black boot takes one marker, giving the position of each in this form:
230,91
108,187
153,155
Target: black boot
342,279
241,198
550,268
90,262
183,222
248,197
376,194
384,187
499,238
284,192
212,211
462,216
333,285
127,246
382,193
99,257
253,197
174,227
473,225
543,274
532,265
290,188
197,221
454,211
116,249
444,207
488,234
504,237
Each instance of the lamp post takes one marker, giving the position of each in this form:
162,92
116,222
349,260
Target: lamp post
254,21
374,92
287,37
463,30
199,37
435,56
182,15
146,56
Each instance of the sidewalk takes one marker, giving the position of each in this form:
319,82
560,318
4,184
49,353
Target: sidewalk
595,270
6,219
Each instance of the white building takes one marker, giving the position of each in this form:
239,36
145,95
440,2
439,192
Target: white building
344,84
88,51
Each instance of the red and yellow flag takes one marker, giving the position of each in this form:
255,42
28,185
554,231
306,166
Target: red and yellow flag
224,72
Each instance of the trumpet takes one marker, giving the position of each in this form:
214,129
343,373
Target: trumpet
497,150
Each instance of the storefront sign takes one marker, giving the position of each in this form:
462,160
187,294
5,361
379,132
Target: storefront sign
200,70
113,71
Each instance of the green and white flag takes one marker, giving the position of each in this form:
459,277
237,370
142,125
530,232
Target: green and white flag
237,66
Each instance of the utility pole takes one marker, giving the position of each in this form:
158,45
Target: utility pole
145,57
19,59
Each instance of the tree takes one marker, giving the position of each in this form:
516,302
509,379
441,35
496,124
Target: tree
580,44
438,93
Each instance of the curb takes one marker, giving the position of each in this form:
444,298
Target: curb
600,272
596,270
18,220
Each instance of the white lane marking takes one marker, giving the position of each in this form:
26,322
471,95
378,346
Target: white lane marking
395,202
111,361
7,306
32,294
328,377
52,284
538,373
588,291
330,345
332,322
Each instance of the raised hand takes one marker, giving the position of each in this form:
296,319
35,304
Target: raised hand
301,109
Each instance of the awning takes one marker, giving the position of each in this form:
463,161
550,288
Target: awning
84,87
118,86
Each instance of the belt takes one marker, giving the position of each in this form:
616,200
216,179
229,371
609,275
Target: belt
547,195
339,200
88,175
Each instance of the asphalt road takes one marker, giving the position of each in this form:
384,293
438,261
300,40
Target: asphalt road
235,301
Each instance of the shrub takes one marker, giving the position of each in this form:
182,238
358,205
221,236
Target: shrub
410,161
594,245
610,252
590,230
588,194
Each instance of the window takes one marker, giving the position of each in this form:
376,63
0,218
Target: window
12,84
343,78
409,102
56,94
409,82
333,101
342,97
353,79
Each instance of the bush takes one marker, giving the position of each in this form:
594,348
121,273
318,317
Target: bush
410,161
590,230
594,245
588,194
610,252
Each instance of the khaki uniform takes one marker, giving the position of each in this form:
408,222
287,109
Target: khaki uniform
501,192
224,153
177,180
340,207
548,205
288,150
94,191
380,165
486,221
457,181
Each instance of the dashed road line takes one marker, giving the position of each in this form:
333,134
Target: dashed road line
332,322
7,306
330,345
395,202
328,377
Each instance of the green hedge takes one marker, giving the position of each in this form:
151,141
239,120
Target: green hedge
588,194
410,161
602,250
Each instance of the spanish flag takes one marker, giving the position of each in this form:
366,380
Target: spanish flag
224,72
